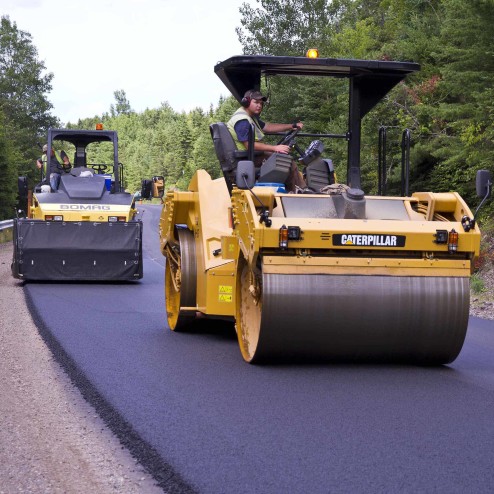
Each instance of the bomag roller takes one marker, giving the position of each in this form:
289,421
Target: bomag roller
336,275
88,228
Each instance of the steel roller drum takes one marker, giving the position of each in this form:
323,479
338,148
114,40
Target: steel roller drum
355,318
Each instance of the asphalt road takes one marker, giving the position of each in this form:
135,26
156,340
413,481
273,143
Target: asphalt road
202,420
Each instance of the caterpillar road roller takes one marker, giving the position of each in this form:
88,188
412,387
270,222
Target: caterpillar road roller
329,274
87,228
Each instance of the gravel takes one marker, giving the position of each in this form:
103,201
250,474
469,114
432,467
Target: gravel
51,439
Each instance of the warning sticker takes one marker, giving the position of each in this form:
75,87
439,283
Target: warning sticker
225,298
226,289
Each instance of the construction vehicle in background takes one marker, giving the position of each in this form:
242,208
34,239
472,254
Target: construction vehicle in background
88,228
335,274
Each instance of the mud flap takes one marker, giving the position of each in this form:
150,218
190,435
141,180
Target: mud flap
92,251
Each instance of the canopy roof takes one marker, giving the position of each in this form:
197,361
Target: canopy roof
375,78
81,138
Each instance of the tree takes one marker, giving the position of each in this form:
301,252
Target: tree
24,107
8,175
122,106
23,88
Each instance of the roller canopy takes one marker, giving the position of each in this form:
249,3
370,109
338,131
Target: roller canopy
373,78
82,137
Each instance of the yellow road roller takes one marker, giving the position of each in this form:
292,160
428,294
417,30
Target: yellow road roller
87,229
331,274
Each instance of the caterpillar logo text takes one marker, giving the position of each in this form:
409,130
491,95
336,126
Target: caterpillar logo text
366,240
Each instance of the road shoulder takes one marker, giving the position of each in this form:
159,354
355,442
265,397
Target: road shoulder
51,439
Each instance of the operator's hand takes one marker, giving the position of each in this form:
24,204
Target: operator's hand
281,148
299,125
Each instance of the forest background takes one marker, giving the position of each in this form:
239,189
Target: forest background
448,106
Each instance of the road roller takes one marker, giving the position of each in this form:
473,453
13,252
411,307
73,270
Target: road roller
85,230
331,274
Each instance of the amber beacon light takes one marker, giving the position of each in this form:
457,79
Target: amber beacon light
312,53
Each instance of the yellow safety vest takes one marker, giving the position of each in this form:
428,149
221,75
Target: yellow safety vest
241,114
44,159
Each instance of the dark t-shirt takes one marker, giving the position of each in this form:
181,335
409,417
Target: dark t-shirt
242,128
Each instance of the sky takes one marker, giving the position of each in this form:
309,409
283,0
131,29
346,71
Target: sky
157,51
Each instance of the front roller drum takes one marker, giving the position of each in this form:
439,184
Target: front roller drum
181,281
405,319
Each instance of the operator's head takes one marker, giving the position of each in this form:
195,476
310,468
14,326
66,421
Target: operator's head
253,100
45,148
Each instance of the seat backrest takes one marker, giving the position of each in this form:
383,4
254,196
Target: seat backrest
319,173
226,151
80,157
224,146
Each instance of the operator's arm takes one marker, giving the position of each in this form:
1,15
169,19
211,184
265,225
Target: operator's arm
242,130
65,158
261,146
277,127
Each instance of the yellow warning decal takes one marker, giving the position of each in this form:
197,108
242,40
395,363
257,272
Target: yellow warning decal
225,293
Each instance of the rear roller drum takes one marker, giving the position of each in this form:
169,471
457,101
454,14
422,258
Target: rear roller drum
180,281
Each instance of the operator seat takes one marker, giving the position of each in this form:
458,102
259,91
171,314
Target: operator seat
319,173
226,152
80,157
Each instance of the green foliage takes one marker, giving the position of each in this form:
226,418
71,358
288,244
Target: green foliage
24,106
448,105
122,105
8,175
477,284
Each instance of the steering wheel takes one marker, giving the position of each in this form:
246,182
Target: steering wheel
289,136
99,168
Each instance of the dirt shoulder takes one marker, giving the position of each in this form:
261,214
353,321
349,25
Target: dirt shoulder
51,439
482,303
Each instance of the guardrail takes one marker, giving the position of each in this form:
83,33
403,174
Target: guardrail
6,230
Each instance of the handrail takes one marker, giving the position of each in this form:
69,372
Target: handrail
381,161
406,139
311,134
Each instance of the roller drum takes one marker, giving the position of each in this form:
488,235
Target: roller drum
358,318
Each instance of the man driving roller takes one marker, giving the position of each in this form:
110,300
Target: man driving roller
248,114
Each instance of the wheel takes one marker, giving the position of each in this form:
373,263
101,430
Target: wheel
180,281
248,310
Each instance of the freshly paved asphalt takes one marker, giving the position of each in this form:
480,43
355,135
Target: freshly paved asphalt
202,420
